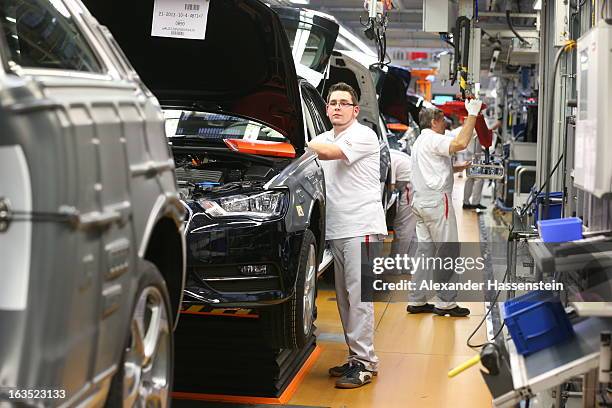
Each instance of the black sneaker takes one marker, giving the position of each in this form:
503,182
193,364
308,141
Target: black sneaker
355,377
426,308
468,206
454,312
480,207
339,371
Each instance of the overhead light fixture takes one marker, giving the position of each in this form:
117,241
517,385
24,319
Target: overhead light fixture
537,5
299,1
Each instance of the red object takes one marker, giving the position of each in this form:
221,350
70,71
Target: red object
261,147
457,108
417,55
485,135
445,206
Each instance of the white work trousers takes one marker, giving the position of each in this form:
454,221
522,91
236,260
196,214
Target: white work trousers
437,235
357,317
472,191
404,223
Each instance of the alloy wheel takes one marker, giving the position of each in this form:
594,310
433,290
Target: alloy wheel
147,363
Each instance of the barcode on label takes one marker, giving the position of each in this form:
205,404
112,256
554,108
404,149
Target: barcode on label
177,33
192,7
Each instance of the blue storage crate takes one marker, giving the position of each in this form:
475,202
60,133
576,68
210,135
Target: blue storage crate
555,206
536,321
560,230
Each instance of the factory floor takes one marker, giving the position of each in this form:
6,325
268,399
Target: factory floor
415,351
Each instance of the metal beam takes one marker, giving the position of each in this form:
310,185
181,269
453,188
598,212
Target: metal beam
507,33
512,14
332,9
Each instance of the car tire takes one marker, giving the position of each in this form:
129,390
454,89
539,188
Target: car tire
145,373
291,324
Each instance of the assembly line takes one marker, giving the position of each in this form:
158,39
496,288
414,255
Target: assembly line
305,203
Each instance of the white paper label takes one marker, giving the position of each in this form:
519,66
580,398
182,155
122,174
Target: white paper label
180,19
251,132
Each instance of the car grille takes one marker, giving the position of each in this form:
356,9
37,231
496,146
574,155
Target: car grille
229,279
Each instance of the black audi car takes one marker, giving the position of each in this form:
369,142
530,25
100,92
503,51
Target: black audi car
237,118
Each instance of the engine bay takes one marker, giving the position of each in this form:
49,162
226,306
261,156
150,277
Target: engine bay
203,175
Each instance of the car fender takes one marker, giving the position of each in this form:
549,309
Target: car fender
305,182
165,204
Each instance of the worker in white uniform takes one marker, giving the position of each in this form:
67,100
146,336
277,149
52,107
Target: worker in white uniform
432,180
350,158
404,222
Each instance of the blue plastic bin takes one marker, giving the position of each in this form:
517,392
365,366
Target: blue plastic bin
560,230
555,206
536,321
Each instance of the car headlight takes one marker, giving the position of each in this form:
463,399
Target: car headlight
267,204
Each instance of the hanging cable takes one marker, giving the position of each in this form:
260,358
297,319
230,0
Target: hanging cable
462,51
509,20
534,197
491,306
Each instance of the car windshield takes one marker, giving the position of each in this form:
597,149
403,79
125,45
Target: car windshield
216,127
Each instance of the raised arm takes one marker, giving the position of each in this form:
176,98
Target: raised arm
462,140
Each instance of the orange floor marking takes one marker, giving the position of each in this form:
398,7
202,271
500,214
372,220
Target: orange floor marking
239,316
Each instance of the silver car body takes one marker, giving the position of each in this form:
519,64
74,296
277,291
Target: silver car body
87,188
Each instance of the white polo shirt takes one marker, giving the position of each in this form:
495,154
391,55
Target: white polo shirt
400,166
352,186
432,166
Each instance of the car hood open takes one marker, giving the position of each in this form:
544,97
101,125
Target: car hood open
243,66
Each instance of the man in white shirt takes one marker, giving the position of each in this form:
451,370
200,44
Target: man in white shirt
350,157
404,222
432,180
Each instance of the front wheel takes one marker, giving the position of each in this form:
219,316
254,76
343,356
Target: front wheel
144,378
291,324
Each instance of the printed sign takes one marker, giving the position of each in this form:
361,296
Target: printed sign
180,19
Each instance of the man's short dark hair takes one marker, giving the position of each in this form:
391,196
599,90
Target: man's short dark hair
344,87
427,115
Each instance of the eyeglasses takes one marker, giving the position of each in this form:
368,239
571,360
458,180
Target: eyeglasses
341,104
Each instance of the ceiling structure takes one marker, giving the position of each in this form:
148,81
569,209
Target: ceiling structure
405,28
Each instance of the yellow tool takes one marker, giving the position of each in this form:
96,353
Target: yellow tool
464,366
489,356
